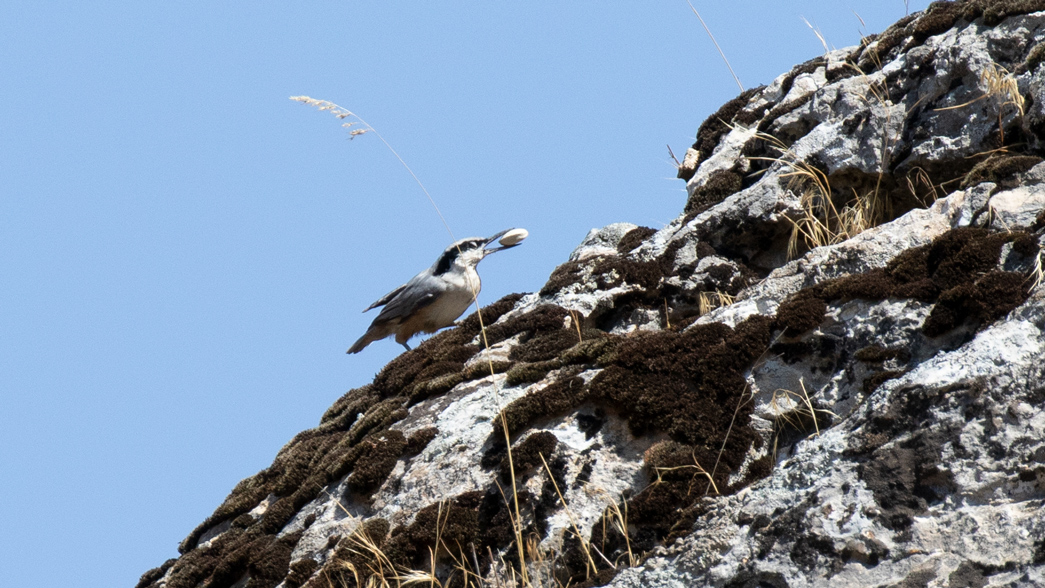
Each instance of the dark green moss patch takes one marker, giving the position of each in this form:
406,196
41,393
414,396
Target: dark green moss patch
562,276
550,497
545,346
471,525
300,572
878,354
871,58
938,18
233,555
417,442
553,399
544,319
150,577
720,185
718,124
1001,170
350,551
455,523
956,272
985,300
1034,57
528,455
800,313
633,238
878,378
526,373
377,459
685,384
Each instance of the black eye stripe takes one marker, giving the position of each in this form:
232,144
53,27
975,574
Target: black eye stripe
447,259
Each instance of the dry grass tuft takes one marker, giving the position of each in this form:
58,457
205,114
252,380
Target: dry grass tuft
783,400
1037,274
698,471
1001,86
821,221
709,301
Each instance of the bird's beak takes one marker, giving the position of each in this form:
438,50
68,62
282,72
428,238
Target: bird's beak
495,238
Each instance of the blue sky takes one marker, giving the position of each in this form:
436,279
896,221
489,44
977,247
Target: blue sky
185,253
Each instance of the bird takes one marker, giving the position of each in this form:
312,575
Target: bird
436,297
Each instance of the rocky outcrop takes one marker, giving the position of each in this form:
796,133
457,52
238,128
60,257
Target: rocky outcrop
827,371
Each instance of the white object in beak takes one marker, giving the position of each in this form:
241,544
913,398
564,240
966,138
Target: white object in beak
513,237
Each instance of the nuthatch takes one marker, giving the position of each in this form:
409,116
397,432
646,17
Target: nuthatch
436,297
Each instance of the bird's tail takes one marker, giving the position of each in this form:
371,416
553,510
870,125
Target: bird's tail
361,343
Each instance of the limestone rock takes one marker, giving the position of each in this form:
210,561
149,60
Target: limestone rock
827,371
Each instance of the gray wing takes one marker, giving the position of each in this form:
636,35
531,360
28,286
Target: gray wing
386,298
406,303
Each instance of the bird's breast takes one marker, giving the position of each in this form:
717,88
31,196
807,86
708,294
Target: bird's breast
454,301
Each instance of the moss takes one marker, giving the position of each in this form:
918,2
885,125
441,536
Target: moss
771,117
376,529
995,11
376,462
454,523
270,562
468,327
1026,245
595,345
300,572
612,272
633,238
347,552
555,398
719,186
431,358
718,124
528,455
667,460
543,319
562,276
547,345
876,379
417,442
349,406
872,58
262,556
938,18
481,369
956,272
151,576
602,578
985,300
679,382
1035,57
379,416
1000,169
878,354
801,312
438,385
526,373
549,499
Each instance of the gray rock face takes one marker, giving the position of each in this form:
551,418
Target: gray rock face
826,372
